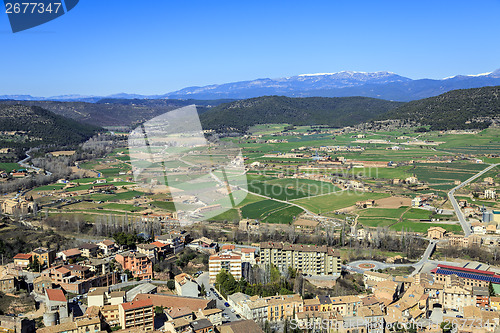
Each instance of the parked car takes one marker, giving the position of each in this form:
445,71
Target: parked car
226,304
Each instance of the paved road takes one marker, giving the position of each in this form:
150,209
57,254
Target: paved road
465,225
354,266
203,279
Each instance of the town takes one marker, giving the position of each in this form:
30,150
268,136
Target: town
327,238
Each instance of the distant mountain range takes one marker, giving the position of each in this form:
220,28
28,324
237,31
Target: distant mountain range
382,85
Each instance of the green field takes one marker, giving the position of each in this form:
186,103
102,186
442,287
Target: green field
229,215
167,205
260,210
338,200
375,222
423,227
284,216
125,207
383,212
8,167
49,187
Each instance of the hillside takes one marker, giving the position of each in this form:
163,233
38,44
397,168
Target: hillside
458,109
116,112
30,126
336,112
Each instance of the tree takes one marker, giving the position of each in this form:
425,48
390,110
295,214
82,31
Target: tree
491,289
35,265
203,291
171,284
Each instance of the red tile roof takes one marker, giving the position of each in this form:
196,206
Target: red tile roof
137,304
55,295
159,244
72,252
24,256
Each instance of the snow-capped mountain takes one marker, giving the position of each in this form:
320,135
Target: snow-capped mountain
298,85
383,85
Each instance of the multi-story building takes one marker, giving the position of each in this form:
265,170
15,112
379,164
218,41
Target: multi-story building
470,277
44,256
89,250
57,306
137,314
7,283
457,298
282,307
107,246
228,261
308,259
138,264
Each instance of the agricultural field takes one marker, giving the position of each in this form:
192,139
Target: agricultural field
337,200
8,167
261,209
422,227
288,189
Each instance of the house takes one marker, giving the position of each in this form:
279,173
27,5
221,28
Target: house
107,247
305,225
56,304
80,324
248,256
41,283
478,228
436,232
242,326
44,256
213,315
490,194
178,313
89,250
161,249
489,180
70,254
185,285
22,260
411,180
148,250
202,326
7,283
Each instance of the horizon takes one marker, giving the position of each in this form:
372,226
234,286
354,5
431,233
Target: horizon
77,95
105,48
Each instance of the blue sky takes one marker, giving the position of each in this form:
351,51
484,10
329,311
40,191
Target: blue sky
156,46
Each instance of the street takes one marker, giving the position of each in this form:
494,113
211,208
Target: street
465,225
204,279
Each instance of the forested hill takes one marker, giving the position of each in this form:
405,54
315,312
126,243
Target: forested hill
341,111
116,112
457,109
30,126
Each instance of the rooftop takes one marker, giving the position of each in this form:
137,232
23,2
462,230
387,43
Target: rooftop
55,295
